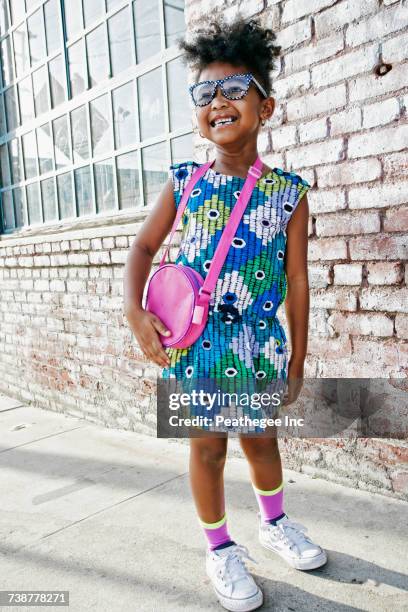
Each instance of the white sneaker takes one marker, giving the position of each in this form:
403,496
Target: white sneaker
233,584
288,540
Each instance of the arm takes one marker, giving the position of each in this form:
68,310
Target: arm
149,239
297,297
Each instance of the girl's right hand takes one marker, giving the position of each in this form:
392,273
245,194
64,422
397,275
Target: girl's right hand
145,326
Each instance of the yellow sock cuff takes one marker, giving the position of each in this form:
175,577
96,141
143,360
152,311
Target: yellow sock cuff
214,525
267,493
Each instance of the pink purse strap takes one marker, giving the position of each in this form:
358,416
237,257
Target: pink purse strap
254,173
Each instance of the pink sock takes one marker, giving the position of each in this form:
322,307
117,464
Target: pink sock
270,502
216,533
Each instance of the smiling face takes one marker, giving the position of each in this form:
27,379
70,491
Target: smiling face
244,116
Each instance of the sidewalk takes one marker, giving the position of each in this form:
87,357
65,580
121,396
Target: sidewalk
107,515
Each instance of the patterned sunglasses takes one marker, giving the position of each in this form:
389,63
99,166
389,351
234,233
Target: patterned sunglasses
233,87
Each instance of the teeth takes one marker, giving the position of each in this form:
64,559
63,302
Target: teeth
222,121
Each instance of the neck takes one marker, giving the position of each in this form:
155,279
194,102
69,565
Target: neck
235,162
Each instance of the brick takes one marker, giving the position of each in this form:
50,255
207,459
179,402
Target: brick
338,298
327,249
76,286
42,260
394,165
401,326
382,273
388,352
65,245
108,243
121,242
313,53
344,66
380,141
313,104
321,201
372,86
314,154
375,27
382,247
349,172
378,196
348,274
78,259
396,220
57,285
26,262
341,347
85,244
59,260
336,17
319,276
42,285
380,113
358,324
314,130
388,299
292,10
119,257
99,258
293,84
96,243
295,34
347,224
395,49
75,245
284,137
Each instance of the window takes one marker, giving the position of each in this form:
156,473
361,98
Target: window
93,106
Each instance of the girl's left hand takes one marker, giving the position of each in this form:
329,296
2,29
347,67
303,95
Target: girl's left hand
295,381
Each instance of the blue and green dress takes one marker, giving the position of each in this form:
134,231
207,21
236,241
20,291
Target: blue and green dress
243,338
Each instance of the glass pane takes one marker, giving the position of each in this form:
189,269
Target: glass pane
111,4
61,142
177,86
19,207
97,53
93,9
174,20
151,110
77,68
65,195
3,128
119,41
182,149
83,190
79,129
36,36
4,18
44,141
52,25
104,189
40,87
17,10
73,17
48,200
25,95
15,159
4,166
10,103
124,115
6,61
101,125
147,28
154,161
57,81
128,180
30,155
8,210
33,204
21,50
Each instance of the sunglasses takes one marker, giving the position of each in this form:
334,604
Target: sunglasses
233,87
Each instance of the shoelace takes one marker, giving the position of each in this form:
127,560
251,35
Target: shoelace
293,533
232,566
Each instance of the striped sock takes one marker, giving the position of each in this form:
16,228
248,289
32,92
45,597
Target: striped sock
217,533
270,503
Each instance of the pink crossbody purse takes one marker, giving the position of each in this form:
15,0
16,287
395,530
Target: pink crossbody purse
177,294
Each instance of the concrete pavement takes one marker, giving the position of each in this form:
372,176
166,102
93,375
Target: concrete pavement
107,515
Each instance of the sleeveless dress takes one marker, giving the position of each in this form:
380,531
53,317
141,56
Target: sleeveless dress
243,338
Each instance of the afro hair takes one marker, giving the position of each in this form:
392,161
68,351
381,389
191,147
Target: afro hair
240,43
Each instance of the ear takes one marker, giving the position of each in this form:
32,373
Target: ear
268,107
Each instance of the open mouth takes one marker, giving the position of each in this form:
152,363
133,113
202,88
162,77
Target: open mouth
221,122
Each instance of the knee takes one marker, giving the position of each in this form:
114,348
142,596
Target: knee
211,454
260,450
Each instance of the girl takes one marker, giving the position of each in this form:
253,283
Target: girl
266,262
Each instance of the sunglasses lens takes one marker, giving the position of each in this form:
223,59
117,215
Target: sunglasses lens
203,93
235,88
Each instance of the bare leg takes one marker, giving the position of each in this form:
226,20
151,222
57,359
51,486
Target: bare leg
207,460
264,461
